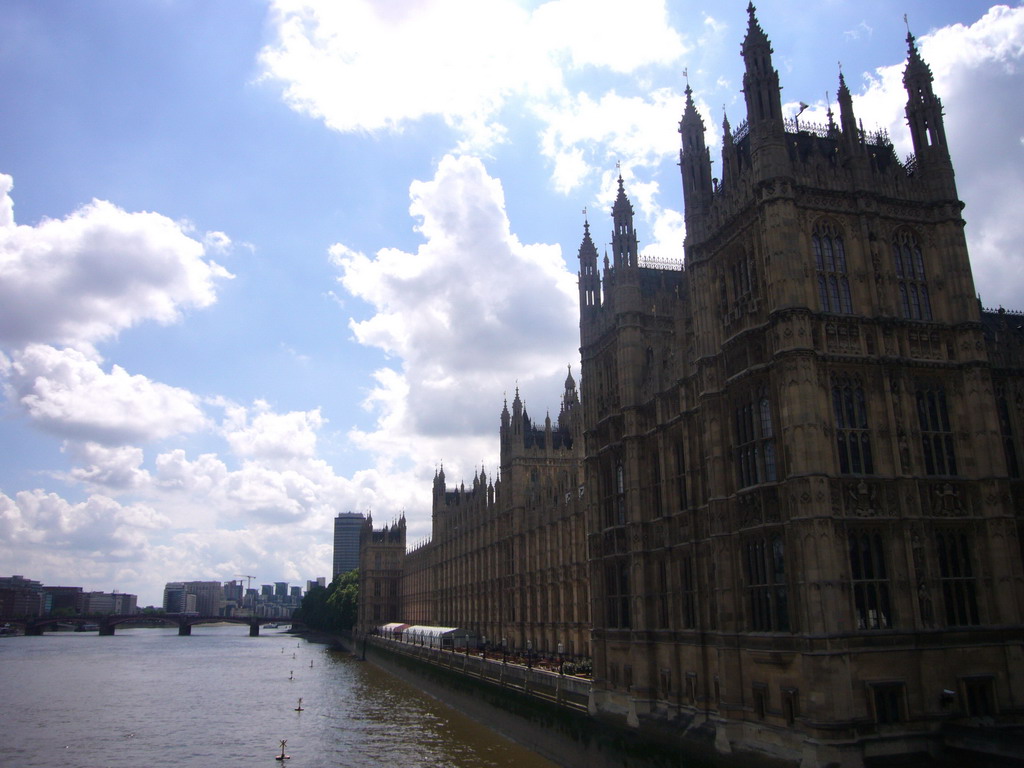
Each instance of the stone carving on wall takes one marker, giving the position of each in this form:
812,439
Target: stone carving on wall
748,510
862,500
946,501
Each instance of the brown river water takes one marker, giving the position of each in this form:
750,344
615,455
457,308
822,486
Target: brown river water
219,698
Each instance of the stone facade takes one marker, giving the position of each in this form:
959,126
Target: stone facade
381,558
786,504
507,557
802,444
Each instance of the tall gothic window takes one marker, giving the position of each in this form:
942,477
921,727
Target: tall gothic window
853,439
680,470
1006,432
766,584
742,276
956,576
755,441
661,613
936,433
614,483
617,613
870,581
655,462
688,601
914,300
830,260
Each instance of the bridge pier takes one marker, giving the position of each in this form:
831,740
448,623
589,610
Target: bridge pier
254,629
106,628
185,630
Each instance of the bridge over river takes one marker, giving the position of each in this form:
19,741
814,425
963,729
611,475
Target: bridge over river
108,623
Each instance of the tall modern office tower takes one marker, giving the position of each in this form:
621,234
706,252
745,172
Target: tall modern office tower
347,526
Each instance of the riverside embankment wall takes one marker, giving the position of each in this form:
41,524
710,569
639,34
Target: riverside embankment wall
543,710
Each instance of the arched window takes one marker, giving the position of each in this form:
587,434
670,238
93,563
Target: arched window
766,584
936,431
915,302
830,261
755,440
853,440
870,580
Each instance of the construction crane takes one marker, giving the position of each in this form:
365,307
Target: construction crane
248,584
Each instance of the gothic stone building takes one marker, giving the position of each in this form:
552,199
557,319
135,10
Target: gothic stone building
802,444
507,558
381,558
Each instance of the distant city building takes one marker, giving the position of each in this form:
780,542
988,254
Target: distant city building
296,593
64,600
20,597
203,597
125,604
176,598
321,581
98,602
233,590
28,597
347,528
280,590
267,590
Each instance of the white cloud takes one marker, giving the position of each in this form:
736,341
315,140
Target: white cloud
273,437
638,131
84,278
592,33
69,394
115,468
467,314
99,525
368,66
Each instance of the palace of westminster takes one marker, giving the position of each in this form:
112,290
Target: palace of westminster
785,502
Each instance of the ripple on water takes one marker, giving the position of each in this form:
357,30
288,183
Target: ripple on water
221,699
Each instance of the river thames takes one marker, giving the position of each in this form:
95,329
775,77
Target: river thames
147,697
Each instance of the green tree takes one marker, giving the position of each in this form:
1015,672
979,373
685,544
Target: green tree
344,599
334,608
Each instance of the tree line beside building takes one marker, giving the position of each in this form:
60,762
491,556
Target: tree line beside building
332,608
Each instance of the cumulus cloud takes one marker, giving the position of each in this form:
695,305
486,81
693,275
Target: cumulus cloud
637,131
35,519
270,436
69,394
468,313
117,468
100,270
367,66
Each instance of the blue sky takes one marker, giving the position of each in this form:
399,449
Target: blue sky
263,262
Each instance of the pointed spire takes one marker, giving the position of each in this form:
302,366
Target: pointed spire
760,81
729,167
915,64
694,161
624,242
589,280
924,109
847,120
755,35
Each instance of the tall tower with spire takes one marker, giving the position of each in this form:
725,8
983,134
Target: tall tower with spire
802,468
